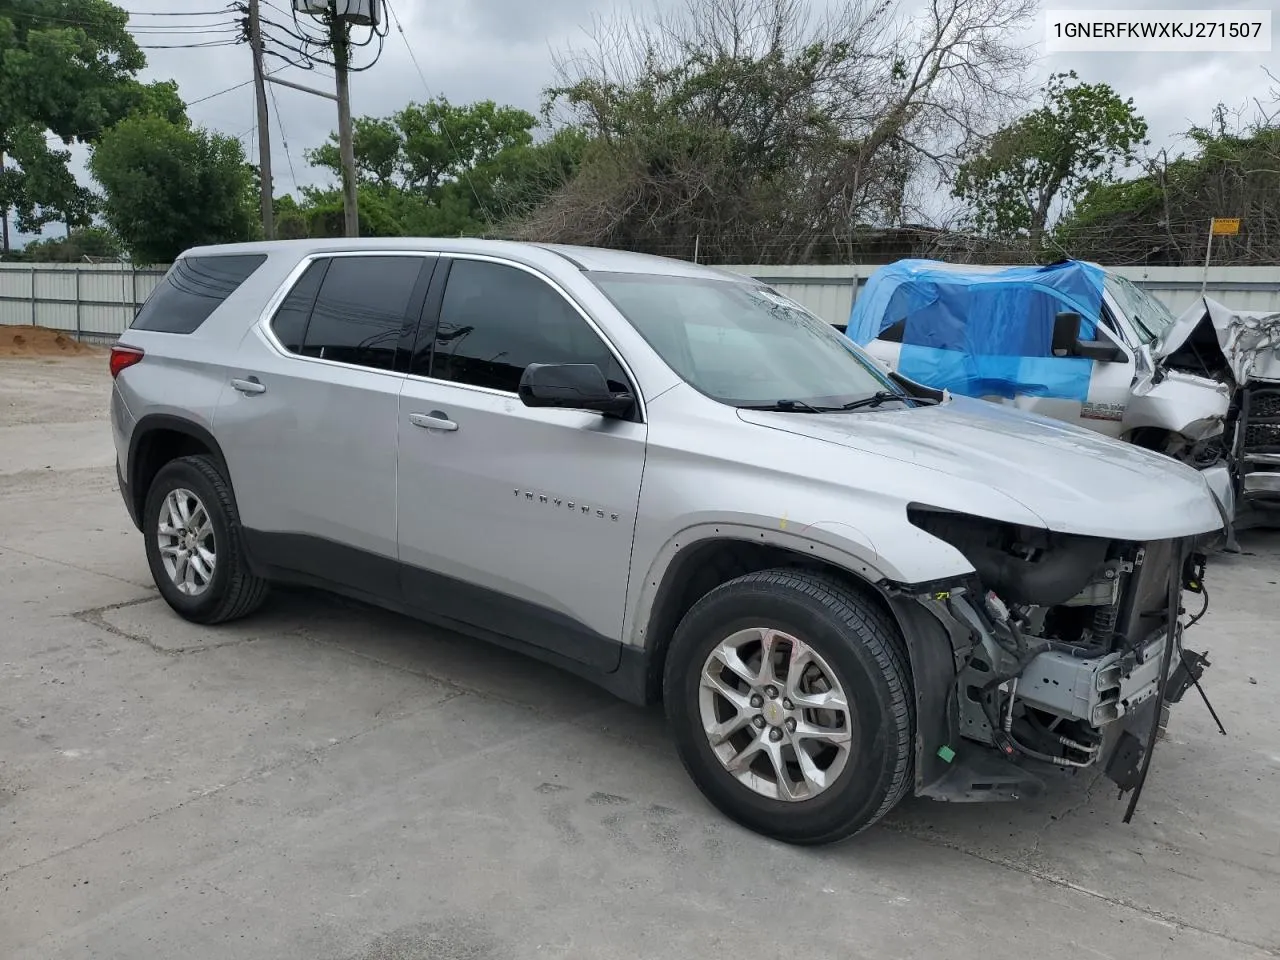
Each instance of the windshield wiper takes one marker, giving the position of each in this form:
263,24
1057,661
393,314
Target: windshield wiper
799,406
877,398
788,406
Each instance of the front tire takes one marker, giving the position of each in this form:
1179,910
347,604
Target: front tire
194,546
811,744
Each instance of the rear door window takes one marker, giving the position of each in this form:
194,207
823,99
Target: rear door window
290,322
362,309
192,289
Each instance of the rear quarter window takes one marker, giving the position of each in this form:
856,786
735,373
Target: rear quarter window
192,289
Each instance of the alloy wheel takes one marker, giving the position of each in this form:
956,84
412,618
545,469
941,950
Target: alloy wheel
188,548
775,714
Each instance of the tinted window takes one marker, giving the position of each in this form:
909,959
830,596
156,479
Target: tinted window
290,322
361,309
192,289
496,320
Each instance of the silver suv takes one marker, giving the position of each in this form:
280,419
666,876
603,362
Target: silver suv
844,586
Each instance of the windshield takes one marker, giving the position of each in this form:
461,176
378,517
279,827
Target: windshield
1150,317
741,343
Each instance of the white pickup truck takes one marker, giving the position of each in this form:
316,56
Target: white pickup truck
1078,343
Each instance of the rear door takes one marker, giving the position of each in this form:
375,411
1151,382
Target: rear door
514,519
307,420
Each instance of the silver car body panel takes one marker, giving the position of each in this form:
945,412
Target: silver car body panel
316,452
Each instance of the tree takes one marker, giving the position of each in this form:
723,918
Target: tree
66,67
169,187
425,146
377,146
1056,153
84,243
158,99
437,169
43,189
522,178
1232,169
746,130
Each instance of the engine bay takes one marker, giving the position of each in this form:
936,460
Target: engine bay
1070,658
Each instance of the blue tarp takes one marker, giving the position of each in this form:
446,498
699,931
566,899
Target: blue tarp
983,333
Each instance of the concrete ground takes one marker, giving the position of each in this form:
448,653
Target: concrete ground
325,781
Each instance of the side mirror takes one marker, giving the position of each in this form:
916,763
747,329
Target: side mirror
1066,334
571,386
1067,342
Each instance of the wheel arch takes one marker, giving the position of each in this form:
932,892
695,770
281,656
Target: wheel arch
699,560
160,438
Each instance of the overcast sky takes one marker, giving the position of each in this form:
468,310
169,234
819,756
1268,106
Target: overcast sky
502,50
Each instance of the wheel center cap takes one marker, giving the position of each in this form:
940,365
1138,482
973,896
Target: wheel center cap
773,713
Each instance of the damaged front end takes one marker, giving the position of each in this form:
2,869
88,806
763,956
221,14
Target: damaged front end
1241,350
1060,653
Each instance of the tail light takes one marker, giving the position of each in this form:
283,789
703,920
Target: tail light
122,357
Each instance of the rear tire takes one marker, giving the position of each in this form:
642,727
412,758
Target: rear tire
194,546
763,722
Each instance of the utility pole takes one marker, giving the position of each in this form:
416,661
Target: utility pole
4,220
346,144
264,123
340,14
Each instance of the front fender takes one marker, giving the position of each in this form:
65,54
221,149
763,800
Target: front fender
1182,403
839,544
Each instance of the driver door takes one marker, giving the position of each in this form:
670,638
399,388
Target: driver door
1110,384
514,519
1102,406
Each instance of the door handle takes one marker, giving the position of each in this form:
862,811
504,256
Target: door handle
249,387
435,420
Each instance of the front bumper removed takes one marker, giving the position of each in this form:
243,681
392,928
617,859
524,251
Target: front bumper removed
1124,696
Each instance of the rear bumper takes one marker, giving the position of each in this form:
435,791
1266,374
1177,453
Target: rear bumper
127,496
122,427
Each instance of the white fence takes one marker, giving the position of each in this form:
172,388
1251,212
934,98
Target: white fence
98,301
93,301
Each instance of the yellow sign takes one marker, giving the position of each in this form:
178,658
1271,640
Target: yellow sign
1225,227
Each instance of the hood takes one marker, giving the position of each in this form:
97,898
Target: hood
1249,339
1075,480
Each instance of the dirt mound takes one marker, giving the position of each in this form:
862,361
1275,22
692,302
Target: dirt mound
40,342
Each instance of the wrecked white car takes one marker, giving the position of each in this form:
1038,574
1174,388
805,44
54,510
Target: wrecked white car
1070,341
1240,348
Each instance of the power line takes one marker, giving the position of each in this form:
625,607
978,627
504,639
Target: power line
144,28
310,47
176,13
238,86
409,47
444,128
220,93
188,46
211,31
283,137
